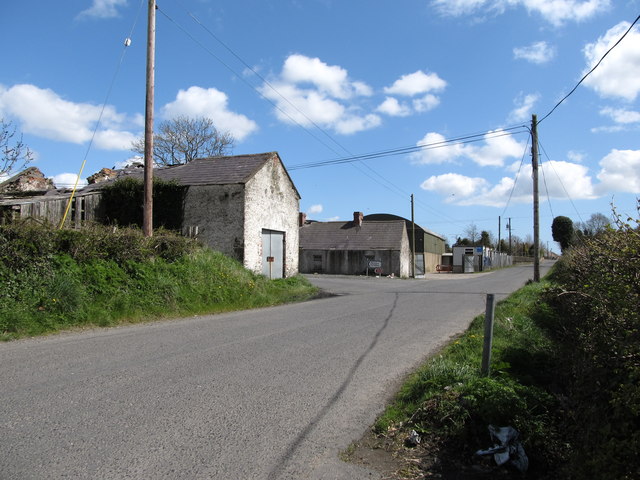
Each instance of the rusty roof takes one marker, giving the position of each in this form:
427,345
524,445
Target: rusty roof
371,235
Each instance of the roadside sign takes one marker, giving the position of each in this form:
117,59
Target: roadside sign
375,264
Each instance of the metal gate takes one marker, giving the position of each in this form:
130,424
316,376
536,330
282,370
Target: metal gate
272,253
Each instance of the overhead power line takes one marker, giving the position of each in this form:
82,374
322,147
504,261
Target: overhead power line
590,71
415,148
127,42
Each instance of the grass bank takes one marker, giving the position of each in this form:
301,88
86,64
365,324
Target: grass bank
450,404
55,280
565,374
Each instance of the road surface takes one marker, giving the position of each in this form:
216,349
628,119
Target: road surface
273,393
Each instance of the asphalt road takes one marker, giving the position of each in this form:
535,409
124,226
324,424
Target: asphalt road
267,394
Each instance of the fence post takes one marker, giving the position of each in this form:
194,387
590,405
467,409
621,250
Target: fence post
488,334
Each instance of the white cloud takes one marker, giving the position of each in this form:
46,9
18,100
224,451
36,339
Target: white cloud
563,180
412,85
621,115
498,147
308,91
524,107
538,53
354,123
556,12
426,103
44,113
619,73
314,209
575,157
437,150
68,180
210,103
330,79
620,172
416,83
103,9
454,186
391,106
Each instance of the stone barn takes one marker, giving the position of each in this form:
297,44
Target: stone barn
355,248
245,206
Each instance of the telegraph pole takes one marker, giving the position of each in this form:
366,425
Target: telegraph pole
536,202
147,214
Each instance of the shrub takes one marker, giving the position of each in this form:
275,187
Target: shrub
597,303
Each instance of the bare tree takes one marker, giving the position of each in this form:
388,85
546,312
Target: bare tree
15,154
184,139
472,233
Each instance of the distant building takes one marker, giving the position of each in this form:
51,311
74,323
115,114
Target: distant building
470,259
429,245
245,206
356,247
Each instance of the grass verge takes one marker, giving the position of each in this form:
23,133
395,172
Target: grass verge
450,404
56,281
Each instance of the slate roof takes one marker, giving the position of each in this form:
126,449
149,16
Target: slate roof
216,170
223,170
389,216
371,235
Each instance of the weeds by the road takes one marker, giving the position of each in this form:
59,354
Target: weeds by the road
450,404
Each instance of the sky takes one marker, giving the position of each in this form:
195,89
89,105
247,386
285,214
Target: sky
367,101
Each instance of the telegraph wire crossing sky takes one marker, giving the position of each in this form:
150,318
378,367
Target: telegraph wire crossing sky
366,102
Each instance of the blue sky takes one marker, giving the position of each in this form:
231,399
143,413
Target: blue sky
320,80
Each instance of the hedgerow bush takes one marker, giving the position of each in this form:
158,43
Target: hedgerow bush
55,279
597,306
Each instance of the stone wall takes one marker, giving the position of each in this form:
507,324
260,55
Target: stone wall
215,215
272,203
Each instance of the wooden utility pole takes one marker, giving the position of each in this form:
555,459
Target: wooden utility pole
536,202
413,241
147,214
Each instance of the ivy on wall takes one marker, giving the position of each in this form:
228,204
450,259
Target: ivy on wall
123,203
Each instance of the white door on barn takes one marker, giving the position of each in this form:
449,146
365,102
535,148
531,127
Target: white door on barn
272,253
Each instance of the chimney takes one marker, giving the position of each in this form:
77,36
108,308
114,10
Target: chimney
357,218
302,219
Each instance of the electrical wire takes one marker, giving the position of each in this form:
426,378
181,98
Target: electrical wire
560,180
385,182
546,188
515,182
465,139
355,160
591,71
127,42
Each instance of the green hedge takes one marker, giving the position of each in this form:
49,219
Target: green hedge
597,307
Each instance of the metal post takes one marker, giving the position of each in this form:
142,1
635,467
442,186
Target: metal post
488,334
413,241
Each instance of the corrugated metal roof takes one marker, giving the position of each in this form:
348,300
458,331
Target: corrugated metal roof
372,235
